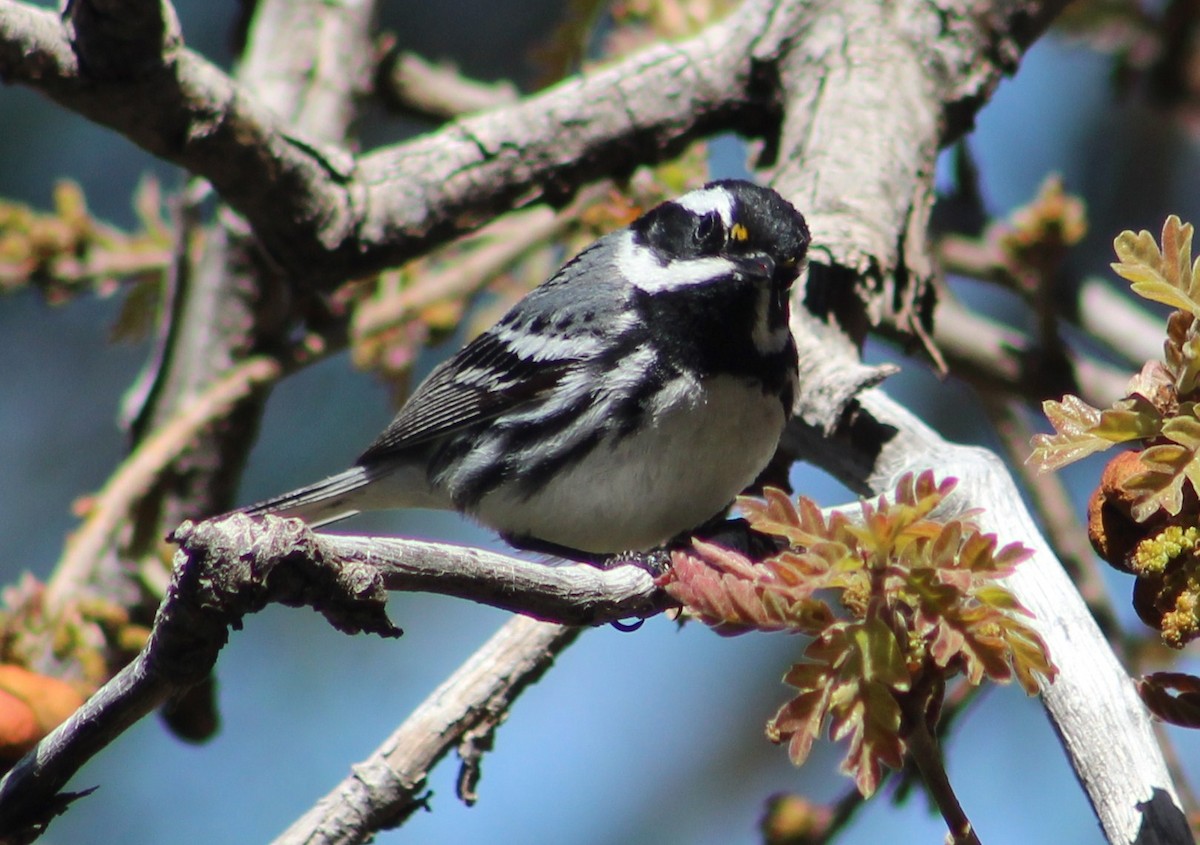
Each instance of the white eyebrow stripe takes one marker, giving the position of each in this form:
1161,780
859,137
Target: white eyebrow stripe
707,200
644,272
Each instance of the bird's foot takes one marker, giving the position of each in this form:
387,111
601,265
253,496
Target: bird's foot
655,561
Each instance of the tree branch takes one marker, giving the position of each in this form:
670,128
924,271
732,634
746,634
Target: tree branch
437,89
900,95
327,217
141,470
384,789
230,567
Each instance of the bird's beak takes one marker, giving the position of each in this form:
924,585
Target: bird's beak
757,265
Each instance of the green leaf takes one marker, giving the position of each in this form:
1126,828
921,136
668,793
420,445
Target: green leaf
1177,254
1187,365
882,660
999,598
1082,430
1184,429
1160,487
1030,657
1161,291
1165,275
1136,251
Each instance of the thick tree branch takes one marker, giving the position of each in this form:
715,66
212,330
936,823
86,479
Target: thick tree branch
230,567
902,79
326,217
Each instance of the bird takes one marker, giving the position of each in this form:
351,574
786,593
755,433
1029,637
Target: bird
619,405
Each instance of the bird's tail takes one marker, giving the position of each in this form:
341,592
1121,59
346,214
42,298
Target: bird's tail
319,504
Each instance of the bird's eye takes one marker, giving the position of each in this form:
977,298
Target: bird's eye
709,234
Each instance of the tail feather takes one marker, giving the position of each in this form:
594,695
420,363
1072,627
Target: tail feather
321,503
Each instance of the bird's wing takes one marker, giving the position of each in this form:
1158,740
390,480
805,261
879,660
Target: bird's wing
484,380
518,361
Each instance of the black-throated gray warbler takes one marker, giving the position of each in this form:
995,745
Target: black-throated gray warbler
622,402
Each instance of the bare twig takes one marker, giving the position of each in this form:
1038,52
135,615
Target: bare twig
501,245
109,510
926,753
1121,322
437,89
384,790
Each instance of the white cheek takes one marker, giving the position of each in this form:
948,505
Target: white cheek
645,273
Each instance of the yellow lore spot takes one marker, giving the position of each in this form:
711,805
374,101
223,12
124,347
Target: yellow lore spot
739,232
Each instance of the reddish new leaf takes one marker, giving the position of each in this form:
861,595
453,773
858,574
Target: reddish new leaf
875,739
733,595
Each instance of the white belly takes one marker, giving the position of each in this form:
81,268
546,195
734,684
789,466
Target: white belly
698,452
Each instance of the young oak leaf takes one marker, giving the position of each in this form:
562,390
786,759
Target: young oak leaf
849,679
1160,486
1029,656
982,650
1181,360
1081,430
1170,468
978,554
966,619
1167,276
1185,365
1177,266
800,523
915,599
875,739
799,721
866,710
